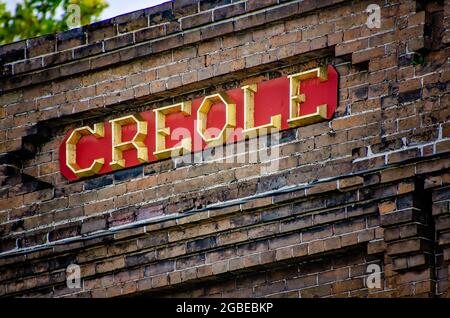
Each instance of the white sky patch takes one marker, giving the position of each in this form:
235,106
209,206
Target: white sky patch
116,7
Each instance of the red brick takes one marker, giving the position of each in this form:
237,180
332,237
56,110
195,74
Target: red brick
224,12
350,182
350,47
387,207
367,55
196,20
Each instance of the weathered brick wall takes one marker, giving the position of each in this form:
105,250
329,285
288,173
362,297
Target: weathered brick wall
370,186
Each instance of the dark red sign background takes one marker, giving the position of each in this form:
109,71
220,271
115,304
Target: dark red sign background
272,98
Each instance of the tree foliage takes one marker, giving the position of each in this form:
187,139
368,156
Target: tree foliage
37,17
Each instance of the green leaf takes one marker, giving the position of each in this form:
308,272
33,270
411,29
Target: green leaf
32,18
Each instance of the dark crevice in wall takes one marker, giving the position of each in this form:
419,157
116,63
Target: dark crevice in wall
13,181
434,29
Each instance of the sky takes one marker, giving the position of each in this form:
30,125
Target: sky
116,7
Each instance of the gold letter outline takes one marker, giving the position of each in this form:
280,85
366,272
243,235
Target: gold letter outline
137,142
296,98
230,120
249,115
162,131
71,150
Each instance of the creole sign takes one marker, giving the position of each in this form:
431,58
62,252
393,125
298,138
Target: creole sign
296,100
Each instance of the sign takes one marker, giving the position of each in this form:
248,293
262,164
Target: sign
225,117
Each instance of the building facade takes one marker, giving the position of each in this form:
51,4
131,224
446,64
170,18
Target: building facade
357,206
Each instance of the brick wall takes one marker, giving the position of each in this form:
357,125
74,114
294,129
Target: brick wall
372,186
